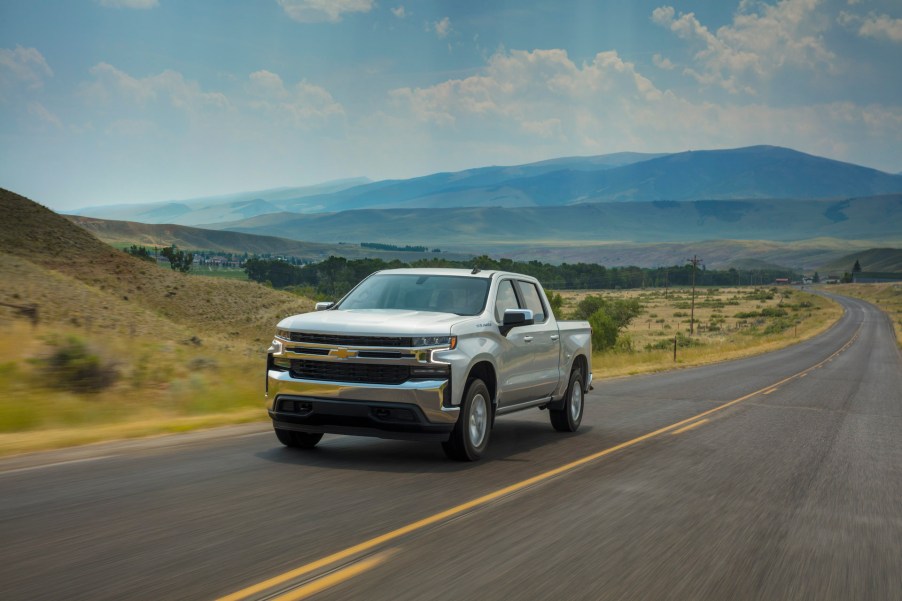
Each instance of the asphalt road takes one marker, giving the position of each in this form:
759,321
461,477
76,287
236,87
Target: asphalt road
788,485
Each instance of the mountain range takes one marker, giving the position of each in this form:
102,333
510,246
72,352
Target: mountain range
570,208
757,172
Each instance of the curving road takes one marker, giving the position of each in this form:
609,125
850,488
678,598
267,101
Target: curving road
774,477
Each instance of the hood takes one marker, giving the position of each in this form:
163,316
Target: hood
374,322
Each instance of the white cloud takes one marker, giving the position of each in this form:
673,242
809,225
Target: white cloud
139,4
874,26
169,87
317,11
442,27
399,11
530,87
542,103
302,105
22,66
762,39
43,115
662,62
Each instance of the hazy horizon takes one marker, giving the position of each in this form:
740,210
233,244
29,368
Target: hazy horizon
139,101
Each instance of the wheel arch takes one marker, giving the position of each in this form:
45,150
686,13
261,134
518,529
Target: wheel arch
485,371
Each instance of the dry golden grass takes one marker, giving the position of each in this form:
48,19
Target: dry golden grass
722,335
888,297
188,351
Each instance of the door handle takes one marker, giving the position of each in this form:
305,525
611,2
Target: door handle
555,337
527,339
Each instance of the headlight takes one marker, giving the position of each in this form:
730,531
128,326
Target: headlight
449,341
284,334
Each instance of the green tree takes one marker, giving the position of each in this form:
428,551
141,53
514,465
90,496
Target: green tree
857,267
604,331
556,301
179,260
140,252
817,278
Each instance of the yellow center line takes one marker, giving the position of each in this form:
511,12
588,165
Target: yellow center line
690,426
502,492
337,577
774,389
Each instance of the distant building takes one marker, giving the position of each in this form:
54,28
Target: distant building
781,281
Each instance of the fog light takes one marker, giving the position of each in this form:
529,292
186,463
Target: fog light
431,371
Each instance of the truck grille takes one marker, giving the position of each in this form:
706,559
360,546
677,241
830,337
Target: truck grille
341,340
336,371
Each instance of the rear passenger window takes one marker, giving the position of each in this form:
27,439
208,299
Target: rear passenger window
532,300
506,299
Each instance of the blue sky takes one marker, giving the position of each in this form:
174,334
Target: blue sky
121,101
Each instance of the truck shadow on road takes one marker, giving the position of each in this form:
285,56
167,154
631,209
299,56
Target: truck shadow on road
511,441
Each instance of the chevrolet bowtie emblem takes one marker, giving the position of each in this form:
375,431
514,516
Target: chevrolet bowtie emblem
342,353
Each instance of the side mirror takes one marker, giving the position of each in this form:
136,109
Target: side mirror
514,318
324,306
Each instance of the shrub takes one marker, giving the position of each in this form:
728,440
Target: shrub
73,367
604,331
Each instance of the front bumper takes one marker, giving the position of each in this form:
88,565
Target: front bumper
415,410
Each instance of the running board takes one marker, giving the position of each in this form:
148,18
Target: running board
520,406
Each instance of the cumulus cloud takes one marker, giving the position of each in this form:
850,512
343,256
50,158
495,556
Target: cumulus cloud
662,62
442,27
317,11
874,26
531,89
399,11
22,66
762,39
302,105
169,87
139,4
542,99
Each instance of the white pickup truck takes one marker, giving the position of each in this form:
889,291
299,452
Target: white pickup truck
427,354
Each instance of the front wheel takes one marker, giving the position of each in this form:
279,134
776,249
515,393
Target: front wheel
470,436
298,440
568,417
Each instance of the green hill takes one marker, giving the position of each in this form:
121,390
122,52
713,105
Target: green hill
886,260
74,277
878,219
126,233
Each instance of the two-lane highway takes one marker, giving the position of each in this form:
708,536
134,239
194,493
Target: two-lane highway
778,476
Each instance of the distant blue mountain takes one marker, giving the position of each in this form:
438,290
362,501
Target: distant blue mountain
756,172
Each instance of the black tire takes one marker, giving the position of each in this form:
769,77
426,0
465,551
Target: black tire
475,418
298,440
570,415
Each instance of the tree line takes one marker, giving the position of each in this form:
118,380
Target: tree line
336,275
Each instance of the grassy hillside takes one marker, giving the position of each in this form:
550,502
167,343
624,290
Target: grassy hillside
50,241
886,260
804,255
125,233
120,345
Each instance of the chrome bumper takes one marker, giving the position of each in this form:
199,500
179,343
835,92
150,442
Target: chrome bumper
427,395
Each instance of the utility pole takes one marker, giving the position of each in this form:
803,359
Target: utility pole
695,261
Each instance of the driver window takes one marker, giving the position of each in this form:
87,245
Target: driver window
505,299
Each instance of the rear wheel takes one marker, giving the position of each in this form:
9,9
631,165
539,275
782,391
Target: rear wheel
470,436
568,417
298,440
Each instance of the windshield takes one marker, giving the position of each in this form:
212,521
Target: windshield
436,293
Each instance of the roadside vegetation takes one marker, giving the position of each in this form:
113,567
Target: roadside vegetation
887,297
730,323
65,386
99,344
